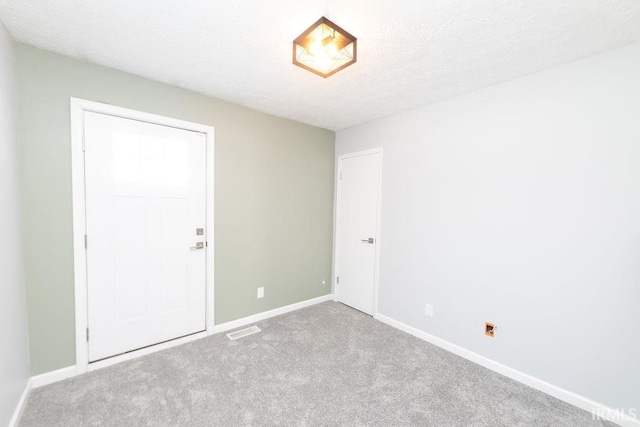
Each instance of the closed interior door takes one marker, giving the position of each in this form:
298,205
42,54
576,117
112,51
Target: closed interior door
359,182
145,187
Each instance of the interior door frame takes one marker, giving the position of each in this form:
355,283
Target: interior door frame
78,108
336,243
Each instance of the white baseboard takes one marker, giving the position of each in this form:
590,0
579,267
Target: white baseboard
53,376
602,411
223,327
21,403
71,371
216,329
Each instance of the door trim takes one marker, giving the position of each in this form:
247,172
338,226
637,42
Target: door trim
77,108
336,240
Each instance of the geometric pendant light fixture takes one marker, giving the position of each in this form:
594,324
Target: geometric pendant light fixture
324,48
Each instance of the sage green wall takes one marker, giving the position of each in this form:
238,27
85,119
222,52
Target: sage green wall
273,195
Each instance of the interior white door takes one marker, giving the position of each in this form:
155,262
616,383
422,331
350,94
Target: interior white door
145,187
359,187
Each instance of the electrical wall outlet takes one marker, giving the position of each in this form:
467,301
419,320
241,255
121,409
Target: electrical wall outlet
260,292
489,329
428,310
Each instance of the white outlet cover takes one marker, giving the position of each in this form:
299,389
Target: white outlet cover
260,292
428,310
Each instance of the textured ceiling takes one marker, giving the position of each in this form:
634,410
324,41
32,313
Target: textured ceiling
410,52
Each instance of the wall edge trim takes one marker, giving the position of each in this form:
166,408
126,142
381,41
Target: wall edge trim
13,422
577,400
227,326
72,371
53,376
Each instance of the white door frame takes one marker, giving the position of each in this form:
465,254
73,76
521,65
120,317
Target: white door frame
336,246
78,108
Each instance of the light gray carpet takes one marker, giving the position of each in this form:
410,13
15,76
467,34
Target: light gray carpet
325,365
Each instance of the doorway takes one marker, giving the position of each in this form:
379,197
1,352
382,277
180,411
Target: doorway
358,229
143,230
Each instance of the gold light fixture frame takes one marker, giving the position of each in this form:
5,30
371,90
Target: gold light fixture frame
345,45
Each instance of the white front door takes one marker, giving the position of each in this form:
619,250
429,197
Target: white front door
145,187
357,216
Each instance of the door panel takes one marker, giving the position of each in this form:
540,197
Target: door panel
145,198
174,258
357,222
129,241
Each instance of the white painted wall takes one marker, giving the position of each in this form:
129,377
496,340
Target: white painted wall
14,361
519,204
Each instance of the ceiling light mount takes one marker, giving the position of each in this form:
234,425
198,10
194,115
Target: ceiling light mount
324,48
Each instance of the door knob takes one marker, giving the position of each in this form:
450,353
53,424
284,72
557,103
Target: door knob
199,245
369,240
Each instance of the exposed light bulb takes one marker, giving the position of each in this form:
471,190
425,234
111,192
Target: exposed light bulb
332,50
323,61
316,48
324,52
